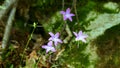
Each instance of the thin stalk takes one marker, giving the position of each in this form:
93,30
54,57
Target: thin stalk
29,40
67,29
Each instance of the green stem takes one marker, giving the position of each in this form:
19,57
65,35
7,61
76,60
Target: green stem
78,44
28,40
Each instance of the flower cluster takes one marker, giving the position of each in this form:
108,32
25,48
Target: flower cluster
54,39
67,15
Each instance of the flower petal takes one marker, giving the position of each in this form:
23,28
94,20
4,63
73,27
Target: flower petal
57,35
60,41
47,50
65,18
51,34
84,40
80,33
70,19
49,43
68,11
44,46
56,42
53,50
50,39
72,14
62,12
75,34
85,36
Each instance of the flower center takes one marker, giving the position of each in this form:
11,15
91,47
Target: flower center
67,15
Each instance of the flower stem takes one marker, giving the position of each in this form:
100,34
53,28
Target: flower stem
34,25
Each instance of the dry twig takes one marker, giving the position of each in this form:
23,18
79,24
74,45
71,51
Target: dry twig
7,5
9,26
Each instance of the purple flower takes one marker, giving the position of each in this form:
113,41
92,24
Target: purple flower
67,14
49,47
55,38
80,36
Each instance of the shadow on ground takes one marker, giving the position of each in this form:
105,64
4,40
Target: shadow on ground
108,50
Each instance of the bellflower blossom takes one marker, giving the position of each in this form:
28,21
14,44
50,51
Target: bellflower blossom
49,47
55,38
80,36
67,14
